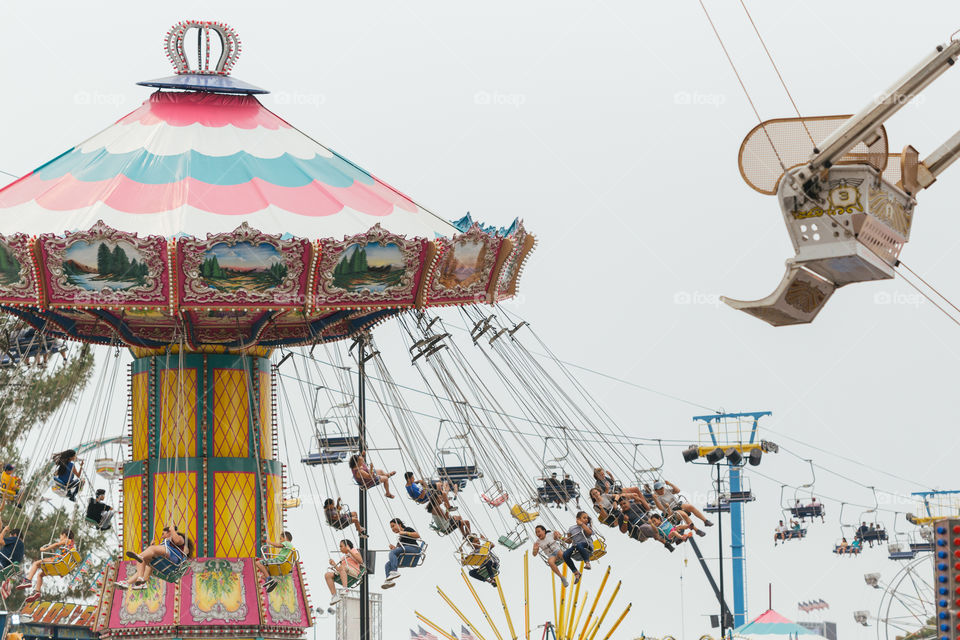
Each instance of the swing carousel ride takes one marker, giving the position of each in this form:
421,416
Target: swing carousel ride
206,234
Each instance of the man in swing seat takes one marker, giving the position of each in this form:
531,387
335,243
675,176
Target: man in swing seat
174,547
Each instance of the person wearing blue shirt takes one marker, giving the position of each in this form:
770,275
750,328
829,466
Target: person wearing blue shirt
423,492
66,473
12,551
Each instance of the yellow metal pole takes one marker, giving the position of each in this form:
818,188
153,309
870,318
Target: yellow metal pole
617,623
563,611
605,610
553,584
526,597
480,604
460,614
586,624
506,611
576,622
568,624
436,628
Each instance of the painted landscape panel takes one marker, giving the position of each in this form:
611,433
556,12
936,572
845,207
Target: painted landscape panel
243,266
9,265
462,265
98,264
370,267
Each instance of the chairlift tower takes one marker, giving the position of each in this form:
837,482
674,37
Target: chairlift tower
731,437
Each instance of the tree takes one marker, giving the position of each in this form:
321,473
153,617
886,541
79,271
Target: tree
103,259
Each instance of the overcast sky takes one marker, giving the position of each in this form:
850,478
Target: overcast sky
611,128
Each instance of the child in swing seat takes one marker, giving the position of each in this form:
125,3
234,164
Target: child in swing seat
66,546
286,548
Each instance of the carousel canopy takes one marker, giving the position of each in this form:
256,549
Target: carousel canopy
771,625
202,218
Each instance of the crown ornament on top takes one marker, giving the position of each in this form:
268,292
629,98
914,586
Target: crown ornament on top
217,59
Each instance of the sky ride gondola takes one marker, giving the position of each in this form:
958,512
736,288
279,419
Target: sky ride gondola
847,212
557,490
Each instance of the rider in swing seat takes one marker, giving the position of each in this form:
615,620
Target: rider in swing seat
174,547
65,545
286,548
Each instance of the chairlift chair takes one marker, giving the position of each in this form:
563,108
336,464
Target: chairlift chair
794,534
169,571
717,502
744,494
557,491
923,544
275,564
900,551
332,445
458,446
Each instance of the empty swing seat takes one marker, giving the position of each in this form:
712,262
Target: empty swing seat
275,563
352,581
523,515
495,500
9,571
412,555
459,473
741,496
108,468
720,506
339,443
599,548
291,503
324,457
513,540
57,564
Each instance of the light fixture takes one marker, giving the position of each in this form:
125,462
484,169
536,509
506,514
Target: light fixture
872,580
691,453
754,457
769,447
734,456
715,456
861,617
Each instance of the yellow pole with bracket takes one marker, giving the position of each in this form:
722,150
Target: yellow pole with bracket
619,620
563,611
486,615
553,584
526,597
586,624
568,624
576,623
506,611
436,628
460,614
605,610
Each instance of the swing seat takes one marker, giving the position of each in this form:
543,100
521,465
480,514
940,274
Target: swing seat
523,515
897,552
352,581
276,565
599,549
495,500
10,489
848,550
412,556
168,571
291,503
451,527
471,557
488,570
324,457
9,571
513,540
108,468
459,473
62,565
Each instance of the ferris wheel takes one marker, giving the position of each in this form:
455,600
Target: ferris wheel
908,607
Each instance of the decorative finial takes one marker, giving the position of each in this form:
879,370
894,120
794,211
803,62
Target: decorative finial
229,47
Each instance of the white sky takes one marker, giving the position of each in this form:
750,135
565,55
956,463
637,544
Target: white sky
612,129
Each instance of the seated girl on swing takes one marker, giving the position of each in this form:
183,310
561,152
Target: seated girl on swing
340,519
349,566
65,545
66,473
174,546
367,477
